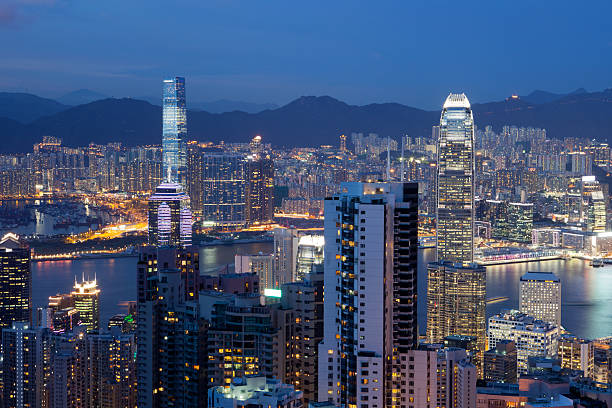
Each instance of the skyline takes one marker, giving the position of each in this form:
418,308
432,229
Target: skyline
274,52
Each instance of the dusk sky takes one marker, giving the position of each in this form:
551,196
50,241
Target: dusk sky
274,51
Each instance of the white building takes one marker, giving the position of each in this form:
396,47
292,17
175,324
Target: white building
540,296
532,337
261,264
285,254
440,378
370,270
255,392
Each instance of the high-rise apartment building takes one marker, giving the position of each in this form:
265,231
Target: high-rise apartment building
533,338
171,340
455,181
15,281
174,131
262,265
540,296
305,299
86,298
576,354
25,363
520,222
439,377
170,220
500,363
285,254
370,303
456,287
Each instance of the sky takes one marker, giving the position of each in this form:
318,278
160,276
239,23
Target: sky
409,51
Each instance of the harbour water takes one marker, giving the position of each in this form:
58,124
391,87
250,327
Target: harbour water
586,291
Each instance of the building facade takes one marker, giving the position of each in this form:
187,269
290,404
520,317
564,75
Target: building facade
174,130
370,293
540,296
15,281
170,220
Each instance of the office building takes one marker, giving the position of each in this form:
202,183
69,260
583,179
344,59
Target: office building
220,187
520,222
86,298
532,337
576,354
455,181
24,365
170,221
15,281
456,287
439,377
305,299
262,265
456,303
540,296
259,189
500,363
254,392
174,131
309,254
285,254
242,338
370,303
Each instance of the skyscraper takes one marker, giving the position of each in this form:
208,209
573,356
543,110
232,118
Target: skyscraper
285,254
15,281
260,185
86,298
174,130
455,210
170,221
370,303
456,287
540,296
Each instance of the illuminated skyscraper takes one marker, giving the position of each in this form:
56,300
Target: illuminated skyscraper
170,221
540,296
370,303
456,287
455,213
86,297
174,130
260,185
309,255
15,281
285,254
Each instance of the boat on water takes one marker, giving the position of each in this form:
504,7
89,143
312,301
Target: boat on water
597,263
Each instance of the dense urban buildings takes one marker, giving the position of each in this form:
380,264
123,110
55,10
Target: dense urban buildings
370,293
174,125
500,363
15,281
532,337
540,296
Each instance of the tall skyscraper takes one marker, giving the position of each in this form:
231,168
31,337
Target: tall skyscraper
174,128
540,296
260,185
456,287
370,303
170,220
15,281
25,359
86,298
309,255
455,210
285,254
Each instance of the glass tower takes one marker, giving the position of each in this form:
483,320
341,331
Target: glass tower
455,213
174,131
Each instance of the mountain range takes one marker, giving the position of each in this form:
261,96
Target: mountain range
306,121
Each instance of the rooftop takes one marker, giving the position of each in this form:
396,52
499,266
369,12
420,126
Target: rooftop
540,276
456,101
